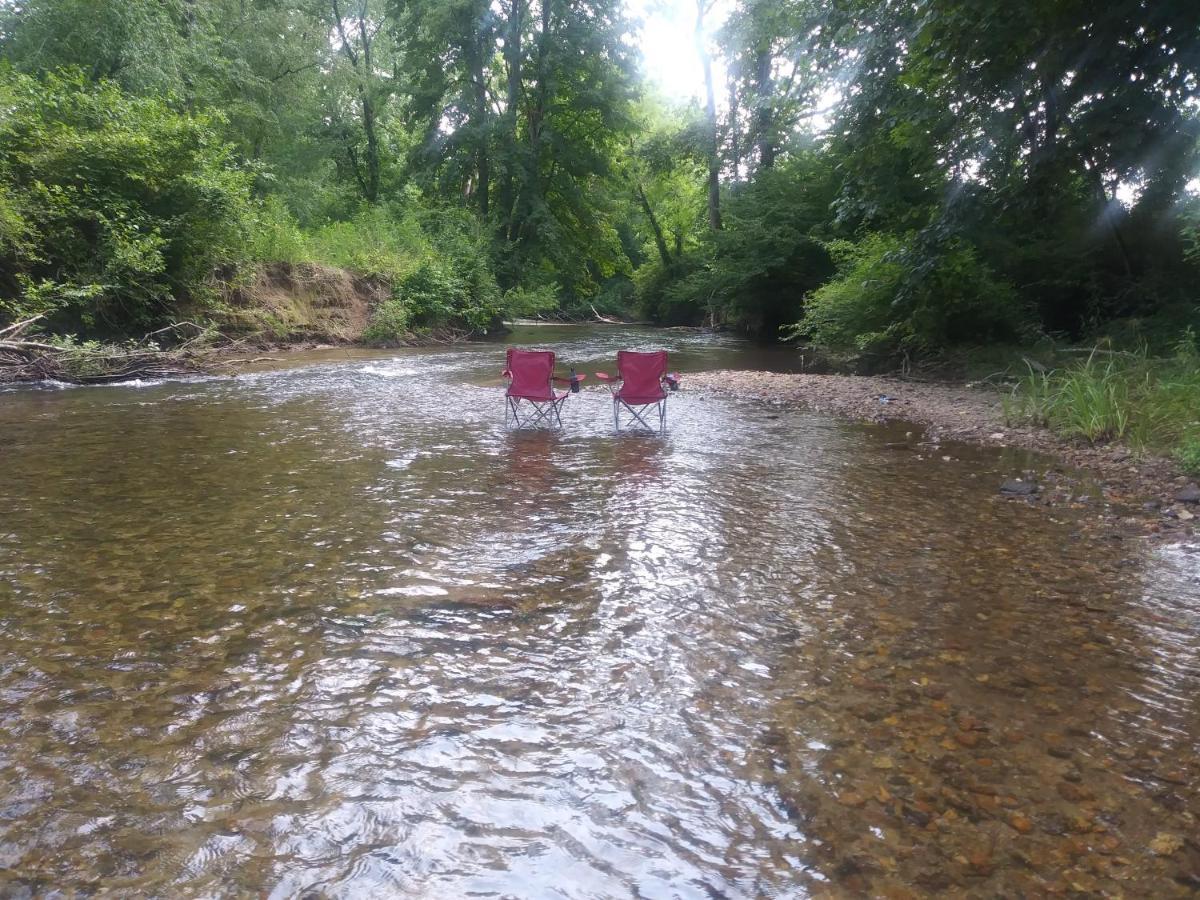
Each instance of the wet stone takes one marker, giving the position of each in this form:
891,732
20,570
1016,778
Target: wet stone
1189,494
1017,487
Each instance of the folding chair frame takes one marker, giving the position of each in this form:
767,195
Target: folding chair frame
637,410
640,412
547,411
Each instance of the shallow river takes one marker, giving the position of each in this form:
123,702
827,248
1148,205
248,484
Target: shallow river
330,630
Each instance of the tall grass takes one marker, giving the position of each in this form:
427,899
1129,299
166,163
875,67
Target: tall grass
372,243
1146,402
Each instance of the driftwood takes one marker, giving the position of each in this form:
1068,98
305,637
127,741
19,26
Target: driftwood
607,320
31,360
10,332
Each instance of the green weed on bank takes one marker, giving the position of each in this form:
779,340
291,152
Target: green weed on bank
1148,403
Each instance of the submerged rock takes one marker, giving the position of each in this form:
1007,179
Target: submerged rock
1165,843
1018,488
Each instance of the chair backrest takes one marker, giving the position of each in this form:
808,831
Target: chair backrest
531,371
641,373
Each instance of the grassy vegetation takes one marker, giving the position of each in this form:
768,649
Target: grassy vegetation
1150,403
371,243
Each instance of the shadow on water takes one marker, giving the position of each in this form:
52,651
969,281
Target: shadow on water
332,629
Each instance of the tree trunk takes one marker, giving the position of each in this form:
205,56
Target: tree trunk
477,47
369,182
368,113
1106,212
735,138
714,161
512,103
531,188
659,240
764,123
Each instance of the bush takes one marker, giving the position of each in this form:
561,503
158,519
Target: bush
276,237
888,300
436,258
376,242
522,302
436,295
678,294
389,323
111,207
754,273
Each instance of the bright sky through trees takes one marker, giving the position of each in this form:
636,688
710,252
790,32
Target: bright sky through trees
668,44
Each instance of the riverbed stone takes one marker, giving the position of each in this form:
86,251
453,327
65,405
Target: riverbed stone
1018,488
1189,494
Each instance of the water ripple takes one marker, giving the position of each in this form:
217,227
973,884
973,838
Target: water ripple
334,631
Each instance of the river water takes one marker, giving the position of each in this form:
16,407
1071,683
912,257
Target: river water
329,630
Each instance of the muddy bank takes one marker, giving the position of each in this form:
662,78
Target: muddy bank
1148,493
301,303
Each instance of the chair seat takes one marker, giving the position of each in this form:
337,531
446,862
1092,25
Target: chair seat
641,398
539,396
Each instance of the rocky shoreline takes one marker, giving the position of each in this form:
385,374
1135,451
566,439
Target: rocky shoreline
1144,493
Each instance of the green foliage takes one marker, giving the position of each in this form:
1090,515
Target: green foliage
374,242
526,302
432,293
436,295
276,236
389,325
966,177
1188,453
444,281
881,301
991,143
1091,401
855,309
677,293
436,257
112,206
755,272
377,241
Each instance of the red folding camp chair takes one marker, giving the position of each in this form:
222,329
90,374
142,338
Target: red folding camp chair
530,375
642,381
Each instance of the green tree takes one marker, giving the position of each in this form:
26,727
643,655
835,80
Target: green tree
113,207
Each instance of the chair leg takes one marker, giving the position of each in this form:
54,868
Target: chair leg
639,414
548,412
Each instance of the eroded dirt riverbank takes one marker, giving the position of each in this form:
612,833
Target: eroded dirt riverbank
1151,486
